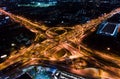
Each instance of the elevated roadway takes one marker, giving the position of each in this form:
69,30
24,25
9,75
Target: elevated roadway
50,50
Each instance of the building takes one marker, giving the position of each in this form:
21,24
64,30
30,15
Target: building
109,29
111,26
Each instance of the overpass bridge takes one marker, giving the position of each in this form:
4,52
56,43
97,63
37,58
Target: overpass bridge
50,49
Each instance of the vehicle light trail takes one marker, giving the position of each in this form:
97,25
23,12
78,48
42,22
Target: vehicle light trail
40,52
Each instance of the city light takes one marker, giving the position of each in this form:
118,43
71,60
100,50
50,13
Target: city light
38,4
3,56
56,39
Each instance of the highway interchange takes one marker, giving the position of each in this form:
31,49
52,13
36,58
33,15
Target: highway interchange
64,50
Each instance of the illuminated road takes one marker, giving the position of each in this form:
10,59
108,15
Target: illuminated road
62,47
